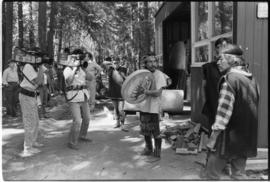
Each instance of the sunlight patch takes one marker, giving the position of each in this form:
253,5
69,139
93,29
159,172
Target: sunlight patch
127,164
7,133
131,139
81,165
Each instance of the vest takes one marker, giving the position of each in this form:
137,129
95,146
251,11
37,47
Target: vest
240,137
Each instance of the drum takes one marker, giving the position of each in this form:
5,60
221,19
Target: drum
172,101
135,84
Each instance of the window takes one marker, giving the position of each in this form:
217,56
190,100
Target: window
201,54
223,17
210,21
202,20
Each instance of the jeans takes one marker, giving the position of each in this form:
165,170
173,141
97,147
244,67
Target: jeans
11,93
81,118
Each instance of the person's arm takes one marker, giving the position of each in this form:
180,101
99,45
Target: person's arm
153,93
224,113
69,74
4,80
98,69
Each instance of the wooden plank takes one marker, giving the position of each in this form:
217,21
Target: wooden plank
250,8
263,112
241,28
201,142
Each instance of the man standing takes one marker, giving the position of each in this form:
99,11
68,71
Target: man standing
116,77
94,69
211,76
149,113
11,86
77,96
234,132
28,101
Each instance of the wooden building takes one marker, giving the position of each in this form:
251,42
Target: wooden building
198,25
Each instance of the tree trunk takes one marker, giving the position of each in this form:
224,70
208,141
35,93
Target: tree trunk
146,29
31,27
42,25
8,32
50,48
60,31
3,29
20,23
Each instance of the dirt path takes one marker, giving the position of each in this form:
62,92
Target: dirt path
113,154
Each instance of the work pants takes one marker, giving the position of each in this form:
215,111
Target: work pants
81,118
216,163
11,93
30,119
92,92
118,110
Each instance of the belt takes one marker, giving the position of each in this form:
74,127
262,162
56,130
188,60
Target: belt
13,83
28,93
78,87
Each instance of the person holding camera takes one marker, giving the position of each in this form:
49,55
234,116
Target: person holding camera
28,101
77,96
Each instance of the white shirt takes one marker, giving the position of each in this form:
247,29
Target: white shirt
31,74
10,75
152,104
79,79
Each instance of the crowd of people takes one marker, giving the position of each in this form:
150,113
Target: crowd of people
231,102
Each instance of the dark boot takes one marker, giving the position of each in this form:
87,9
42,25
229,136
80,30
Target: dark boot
157,150
149,148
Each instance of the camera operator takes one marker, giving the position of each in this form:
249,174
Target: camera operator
77,96
31,61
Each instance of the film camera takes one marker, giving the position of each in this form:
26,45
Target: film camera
78,55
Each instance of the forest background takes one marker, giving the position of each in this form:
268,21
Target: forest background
117,29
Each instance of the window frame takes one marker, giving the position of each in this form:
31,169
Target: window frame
209,42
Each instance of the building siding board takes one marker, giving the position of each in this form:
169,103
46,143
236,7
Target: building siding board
252,33
241,18
263,115
249,54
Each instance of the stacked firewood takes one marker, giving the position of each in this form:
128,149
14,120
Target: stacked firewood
187,138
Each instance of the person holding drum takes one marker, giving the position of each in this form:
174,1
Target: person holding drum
150,108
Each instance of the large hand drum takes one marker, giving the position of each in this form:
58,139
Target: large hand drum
135,84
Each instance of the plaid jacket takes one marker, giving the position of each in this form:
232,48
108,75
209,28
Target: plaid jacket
225,107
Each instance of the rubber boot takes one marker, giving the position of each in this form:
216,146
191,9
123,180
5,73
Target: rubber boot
157,150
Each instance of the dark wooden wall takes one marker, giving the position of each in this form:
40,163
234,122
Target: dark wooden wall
252,35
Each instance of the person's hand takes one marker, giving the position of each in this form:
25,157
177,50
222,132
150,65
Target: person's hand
146,92
212,141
